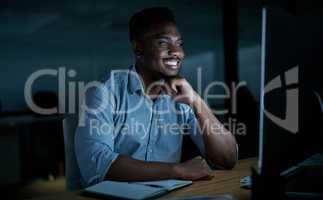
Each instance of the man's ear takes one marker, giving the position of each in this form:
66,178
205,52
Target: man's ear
137,48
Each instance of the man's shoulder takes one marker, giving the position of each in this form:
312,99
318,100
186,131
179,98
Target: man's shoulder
116,79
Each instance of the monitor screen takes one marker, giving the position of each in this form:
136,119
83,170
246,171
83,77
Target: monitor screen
291,107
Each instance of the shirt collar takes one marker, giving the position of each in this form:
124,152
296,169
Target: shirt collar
135,83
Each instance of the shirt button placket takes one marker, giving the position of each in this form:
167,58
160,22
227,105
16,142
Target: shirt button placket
149,150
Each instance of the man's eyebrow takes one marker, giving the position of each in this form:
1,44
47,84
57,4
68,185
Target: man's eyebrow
166,37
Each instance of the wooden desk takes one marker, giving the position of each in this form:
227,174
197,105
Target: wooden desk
224,182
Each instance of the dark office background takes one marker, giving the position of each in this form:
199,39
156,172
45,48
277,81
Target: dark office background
91,37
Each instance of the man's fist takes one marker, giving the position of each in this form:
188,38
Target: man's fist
196,168
181,90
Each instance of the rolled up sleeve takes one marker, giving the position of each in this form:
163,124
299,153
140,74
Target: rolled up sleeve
94,137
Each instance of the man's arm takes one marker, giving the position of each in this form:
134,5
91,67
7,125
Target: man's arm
97,159
220,144
125,168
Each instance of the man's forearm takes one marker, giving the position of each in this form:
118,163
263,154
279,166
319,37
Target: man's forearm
125,168
220,144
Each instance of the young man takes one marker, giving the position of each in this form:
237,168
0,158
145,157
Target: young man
136,130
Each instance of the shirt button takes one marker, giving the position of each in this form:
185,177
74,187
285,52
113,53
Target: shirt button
150,150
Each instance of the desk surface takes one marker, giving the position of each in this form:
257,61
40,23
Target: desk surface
224,182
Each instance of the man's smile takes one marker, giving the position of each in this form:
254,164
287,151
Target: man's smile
172,63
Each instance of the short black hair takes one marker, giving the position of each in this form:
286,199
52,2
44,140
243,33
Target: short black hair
142,22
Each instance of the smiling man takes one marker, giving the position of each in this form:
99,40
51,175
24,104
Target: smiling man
146,112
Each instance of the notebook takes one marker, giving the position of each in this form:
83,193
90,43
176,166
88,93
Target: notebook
134,190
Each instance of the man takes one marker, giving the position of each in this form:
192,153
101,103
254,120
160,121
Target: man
136,130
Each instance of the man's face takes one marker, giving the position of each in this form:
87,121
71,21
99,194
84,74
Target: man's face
162,52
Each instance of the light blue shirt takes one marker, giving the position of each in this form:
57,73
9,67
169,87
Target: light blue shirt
128,122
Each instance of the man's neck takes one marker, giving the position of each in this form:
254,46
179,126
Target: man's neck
148,78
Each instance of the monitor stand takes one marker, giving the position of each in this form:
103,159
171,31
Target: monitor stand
300,182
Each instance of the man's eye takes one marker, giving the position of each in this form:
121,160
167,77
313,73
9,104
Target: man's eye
162,43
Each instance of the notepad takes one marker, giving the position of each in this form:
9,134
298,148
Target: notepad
135,190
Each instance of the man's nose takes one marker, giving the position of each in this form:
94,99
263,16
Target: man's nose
176,51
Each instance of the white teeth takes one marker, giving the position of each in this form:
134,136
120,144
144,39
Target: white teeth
171,62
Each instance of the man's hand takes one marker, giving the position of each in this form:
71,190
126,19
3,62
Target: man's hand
196,168
181,90
220,144
126,168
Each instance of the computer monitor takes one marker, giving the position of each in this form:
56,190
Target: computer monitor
291,108
291,120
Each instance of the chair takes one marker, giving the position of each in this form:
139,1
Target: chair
72,171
